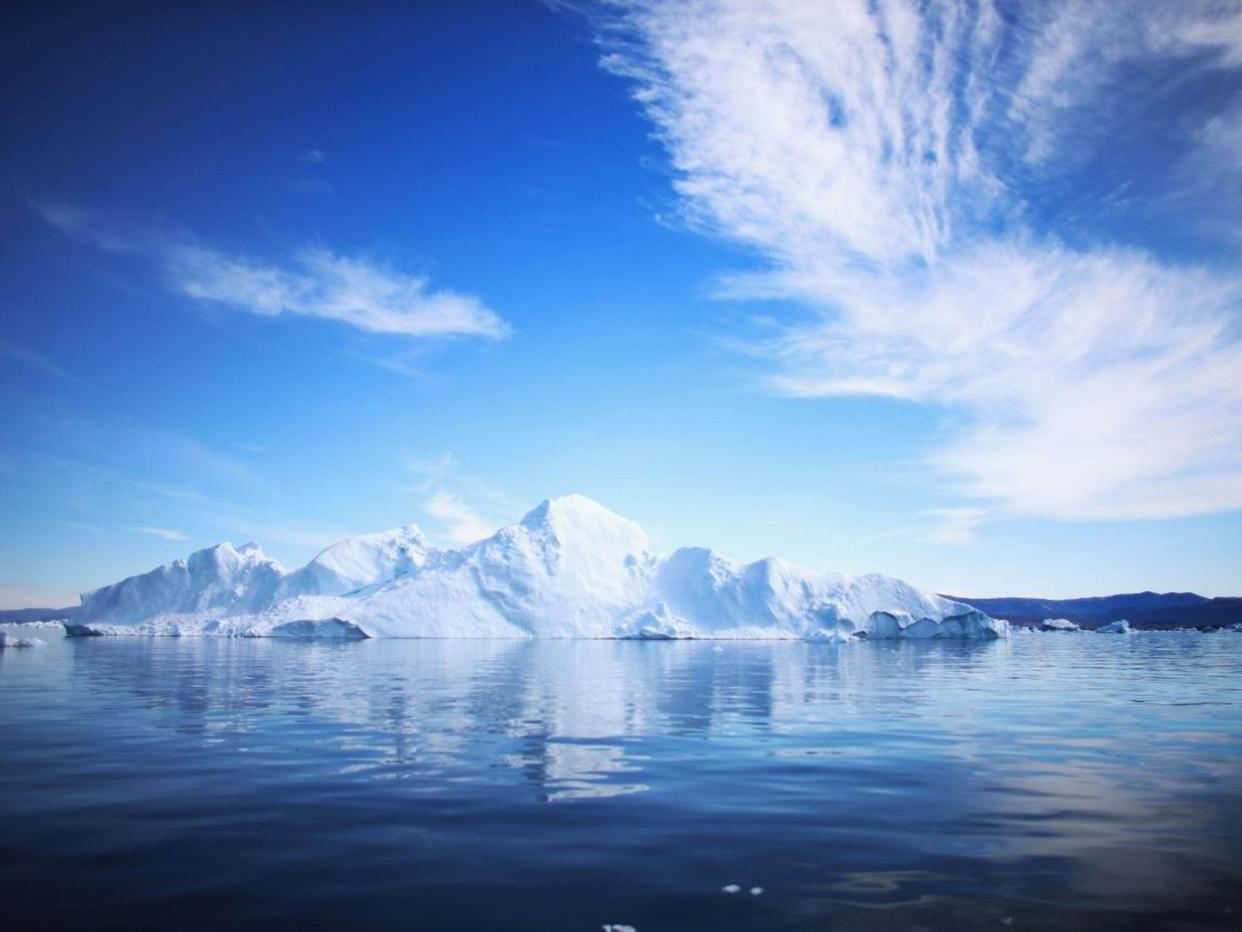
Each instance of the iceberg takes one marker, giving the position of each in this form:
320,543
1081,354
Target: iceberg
569,569
1058,624
1120,626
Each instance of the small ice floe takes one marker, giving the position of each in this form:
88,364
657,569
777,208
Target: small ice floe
7,640
618,927
756,891
1120,626
730,888
1058,624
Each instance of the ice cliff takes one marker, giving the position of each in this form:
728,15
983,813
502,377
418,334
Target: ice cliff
570,569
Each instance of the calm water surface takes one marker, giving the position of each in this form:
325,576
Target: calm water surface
1052,781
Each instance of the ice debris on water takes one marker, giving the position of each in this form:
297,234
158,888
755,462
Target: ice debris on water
618,927
756,891
730,888
8,640
1120,626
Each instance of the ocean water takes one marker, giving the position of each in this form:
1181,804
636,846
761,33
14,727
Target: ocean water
1047,782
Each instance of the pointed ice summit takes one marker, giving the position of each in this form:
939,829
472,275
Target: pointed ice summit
569,569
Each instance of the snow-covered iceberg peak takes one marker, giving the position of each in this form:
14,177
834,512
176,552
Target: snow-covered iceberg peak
569,569
357,562
581,541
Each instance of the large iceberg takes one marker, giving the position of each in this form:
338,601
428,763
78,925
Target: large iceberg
570,569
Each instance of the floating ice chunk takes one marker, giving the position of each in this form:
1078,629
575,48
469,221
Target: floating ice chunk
1120,626
823,636
1058,624
8,640
654,624
730,888
618,927
968,623
756,891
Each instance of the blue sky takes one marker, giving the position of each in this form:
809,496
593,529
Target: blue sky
948,291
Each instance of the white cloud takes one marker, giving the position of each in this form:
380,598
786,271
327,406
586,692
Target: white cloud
319,283
25,356
163,532
463,525
866,150
1069,52
314,282
463,505
435,466
954,525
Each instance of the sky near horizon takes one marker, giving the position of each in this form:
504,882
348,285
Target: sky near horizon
948,290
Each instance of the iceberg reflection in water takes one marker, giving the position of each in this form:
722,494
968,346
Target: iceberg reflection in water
450,784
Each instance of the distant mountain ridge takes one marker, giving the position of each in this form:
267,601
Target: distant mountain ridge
1141,609
17,616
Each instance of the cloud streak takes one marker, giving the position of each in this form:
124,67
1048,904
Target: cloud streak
313,282
464,507
163,532
25,356
463,525
885,160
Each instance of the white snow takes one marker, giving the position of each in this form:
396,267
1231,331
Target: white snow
570,569
1058,624
1120,626
359,562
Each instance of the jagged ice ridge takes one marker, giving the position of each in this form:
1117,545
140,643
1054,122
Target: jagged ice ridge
570,569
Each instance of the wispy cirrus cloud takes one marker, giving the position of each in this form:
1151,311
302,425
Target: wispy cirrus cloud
889,160
464,507
31,359
166,533
463,524
312,282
